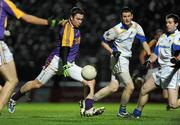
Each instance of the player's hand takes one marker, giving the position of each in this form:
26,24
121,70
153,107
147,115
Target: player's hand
147,57
176,62
53,22
147,64
115,62
116,54
7,33
144,67
65,70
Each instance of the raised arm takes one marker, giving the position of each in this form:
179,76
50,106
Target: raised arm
34,20
146,48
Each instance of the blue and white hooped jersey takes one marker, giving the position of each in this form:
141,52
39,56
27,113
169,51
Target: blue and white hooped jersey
123,37
167,44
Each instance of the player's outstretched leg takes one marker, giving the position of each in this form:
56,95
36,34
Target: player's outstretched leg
13,99
11,106
30,85
98,111
91,111
143,97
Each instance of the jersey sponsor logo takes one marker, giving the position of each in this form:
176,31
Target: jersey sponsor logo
77,40
122,40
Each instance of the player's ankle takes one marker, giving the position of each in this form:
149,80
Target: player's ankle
137,113
17,95
122,109
88,103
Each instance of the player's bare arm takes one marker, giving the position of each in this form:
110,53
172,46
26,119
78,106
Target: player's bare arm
146,47
34,20
153,57
106,46
143,52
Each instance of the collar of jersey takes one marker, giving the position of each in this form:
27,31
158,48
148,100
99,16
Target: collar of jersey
124,26
171,33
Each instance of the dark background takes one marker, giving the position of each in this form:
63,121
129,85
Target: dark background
31,44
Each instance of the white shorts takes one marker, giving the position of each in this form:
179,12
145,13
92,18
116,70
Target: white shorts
122,65
167,77
5,54
121,71
55,67
150,72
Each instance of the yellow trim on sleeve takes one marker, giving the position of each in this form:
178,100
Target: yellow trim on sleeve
18,13
68,35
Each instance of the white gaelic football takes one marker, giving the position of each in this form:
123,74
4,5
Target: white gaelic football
89,72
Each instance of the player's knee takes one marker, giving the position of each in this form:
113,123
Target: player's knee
37,84
113,87
14,81
165,96
143,90
130,88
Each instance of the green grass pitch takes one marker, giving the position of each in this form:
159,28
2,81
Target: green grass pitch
68,114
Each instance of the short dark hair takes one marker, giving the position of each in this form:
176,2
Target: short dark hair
126,9
76,10
174,16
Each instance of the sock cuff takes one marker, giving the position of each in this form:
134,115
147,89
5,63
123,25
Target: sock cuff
88,103
137,112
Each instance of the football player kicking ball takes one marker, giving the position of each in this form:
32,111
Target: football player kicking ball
61,61
168,75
